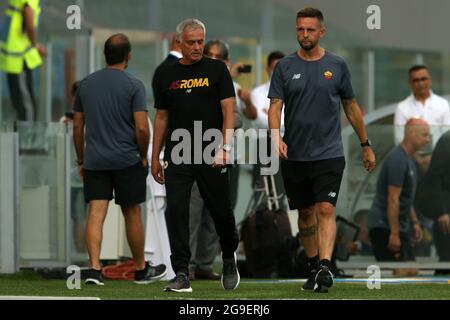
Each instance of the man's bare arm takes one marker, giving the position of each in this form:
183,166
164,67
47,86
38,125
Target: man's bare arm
274,114
354,116
159,135
142,133
78,135
276,106
159,132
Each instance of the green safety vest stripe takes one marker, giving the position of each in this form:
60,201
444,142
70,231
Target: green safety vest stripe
12,8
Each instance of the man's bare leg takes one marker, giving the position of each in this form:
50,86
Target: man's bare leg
307,225
94,230
326,237
326,229
135,234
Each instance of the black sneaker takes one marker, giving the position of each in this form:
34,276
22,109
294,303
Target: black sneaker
150,273
310,282
179,284
324,280
93,276
230,274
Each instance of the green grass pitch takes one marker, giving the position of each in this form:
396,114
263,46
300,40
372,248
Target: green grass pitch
31,284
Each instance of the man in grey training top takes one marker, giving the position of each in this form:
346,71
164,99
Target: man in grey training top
111,104
311,83
392,210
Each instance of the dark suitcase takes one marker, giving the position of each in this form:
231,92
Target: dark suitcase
265,234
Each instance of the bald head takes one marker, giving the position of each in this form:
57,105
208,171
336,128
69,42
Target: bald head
414,124
175,43
417,133
117,49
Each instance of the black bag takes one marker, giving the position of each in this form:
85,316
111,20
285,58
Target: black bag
267,238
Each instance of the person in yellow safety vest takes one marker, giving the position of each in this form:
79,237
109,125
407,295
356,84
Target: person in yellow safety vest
20,53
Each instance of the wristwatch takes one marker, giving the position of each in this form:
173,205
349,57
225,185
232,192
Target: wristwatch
367,143
226,147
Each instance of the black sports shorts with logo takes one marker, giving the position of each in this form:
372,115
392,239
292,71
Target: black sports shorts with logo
310,182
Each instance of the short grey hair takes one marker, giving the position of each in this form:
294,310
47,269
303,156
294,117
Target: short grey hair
189,23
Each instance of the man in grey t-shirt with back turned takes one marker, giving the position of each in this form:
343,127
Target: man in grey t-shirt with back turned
111,105
311,83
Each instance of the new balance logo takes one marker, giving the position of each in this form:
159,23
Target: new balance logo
332,194
296,76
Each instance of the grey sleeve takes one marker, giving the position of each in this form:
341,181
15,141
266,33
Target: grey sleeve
396,168
276,89
346,89
139,99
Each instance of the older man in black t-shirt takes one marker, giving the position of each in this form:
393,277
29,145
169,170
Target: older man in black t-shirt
195,97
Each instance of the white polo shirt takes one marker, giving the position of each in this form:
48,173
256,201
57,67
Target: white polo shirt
435,111
262,104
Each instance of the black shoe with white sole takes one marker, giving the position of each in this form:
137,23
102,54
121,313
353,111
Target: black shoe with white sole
324,280
180,283
310,282
93,276
150,273
230,274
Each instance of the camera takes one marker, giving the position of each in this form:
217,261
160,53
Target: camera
246,68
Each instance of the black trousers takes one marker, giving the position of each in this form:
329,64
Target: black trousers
379,237
22,96
213,184
442,243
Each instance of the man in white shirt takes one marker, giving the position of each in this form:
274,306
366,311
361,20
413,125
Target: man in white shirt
261,102
423,104
259,94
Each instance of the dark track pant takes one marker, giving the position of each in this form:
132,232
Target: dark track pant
213,184
442,243
22,97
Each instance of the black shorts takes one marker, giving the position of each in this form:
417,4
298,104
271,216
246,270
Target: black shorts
310,182
129,185
379,237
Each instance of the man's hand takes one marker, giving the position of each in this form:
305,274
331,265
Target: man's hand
368,158
81,171
280,147
157,171
244,95
394,244
42,50
221,158
144,162
444,223
417,232
234,72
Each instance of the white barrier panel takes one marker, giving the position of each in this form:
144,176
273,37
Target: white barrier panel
9,155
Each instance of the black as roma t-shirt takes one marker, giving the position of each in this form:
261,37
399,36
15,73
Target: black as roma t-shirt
192,94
